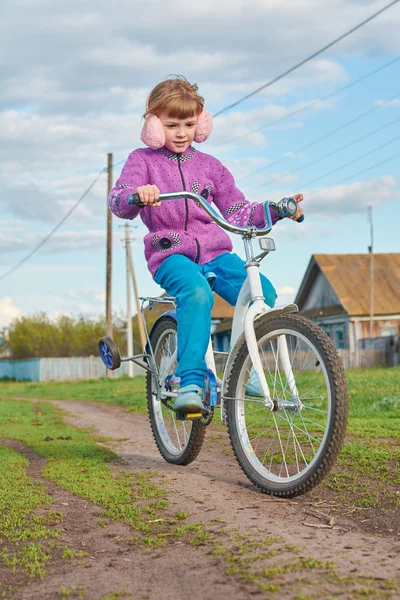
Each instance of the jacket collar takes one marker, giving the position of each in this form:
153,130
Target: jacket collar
181,156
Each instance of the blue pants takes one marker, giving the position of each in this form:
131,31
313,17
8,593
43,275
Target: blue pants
184,279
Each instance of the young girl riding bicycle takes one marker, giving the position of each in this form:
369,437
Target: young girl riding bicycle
184,243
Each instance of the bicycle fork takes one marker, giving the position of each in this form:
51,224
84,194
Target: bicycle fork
258,308
282,358
255,309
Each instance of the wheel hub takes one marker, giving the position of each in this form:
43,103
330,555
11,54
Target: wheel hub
293,405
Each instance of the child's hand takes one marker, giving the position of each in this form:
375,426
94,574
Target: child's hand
298,198
148,194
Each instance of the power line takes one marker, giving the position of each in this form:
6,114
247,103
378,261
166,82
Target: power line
323,137
306,60
313,162
350,162
312,104
279,77
119,162
378,164
48,236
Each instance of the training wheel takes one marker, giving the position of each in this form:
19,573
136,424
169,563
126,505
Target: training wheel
109,353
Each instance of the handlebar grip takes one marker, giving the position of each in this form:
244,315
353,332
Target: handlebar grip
134,199
287,207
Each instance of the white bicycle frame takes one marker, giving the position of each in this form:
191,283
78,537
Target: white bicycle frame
243,322
249,306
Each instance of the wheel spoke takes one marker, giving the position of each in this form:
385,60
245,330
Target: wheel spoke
176,430
295,436
308,407
310,437
267,450
303,418
284,444
280,443
174,434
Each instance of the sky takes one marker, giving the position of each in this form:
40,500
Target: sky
75,77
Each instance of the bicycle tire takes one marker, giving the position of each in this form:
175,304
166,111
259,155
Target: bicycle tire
329,364
177,455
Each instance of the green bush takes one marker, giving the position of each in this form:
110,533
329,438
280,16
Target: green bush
40,337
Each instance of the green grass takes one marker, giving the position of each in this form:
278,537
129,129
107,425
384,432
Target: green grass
374,422
77,464
19,497
372,392
25,537
29,534
123,391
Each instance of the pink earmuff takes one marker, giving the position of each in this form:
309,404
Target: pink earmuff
153,131
204,127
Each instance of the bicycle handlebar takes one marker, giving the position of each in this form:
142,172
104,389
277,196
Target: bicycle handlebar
285,208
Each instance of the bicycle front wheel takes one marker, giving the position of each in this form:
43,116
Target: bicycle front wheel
179,442
288,450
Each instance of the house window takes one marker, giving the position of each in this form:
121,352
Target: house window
328,330
387,330
339,338
218,342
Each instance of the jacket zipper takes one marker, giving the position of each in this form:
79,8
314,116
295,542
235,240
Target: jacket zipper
198,250
184,189
187,209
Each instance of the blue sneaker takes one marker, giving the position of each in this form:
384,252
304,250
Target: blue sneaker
253,387
189,399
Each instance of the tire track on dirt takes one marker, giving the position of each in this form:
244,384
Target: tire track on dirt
112,564
213,486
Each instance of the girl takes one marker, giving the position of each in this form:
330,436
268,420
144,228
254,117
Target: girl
183,242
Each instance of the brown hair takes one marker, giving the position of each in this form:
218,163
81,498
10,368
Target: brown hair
176,96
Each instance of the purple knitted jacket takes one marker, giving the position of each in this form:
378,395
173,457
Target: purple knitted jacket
181,226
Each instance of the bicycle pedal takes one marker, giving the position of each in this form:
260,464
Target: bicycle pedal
194,416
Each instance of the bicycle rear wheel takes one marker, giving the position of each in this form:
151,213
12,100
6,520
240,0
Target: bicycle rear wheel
179,442
287,451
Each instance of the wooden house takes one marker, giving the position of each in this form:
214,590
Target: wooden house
336,293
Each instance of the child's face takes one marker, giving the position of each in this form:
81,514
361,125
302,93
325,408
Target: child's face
179,133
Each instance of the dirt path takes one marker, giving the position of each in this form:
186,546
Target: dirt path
211,487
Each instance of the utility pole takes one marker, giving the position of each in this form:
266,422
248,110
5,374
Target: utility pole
109,328
371,289
135,291
128,302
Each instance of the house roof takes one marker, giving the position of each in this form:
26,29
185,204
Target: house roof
350,274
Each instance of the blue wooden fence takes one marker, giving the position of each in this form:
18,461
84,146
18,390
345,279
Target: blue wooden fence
21,369
61,369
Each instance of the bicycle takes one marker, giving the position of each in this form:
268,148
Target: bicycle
283,392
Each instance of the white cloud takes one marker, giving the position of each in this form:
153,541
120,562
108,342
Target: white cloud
92,294
293,155
395,102
8,312
74,83
15,240
286,290
69,106
88,302
250,127
103,57
352,198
